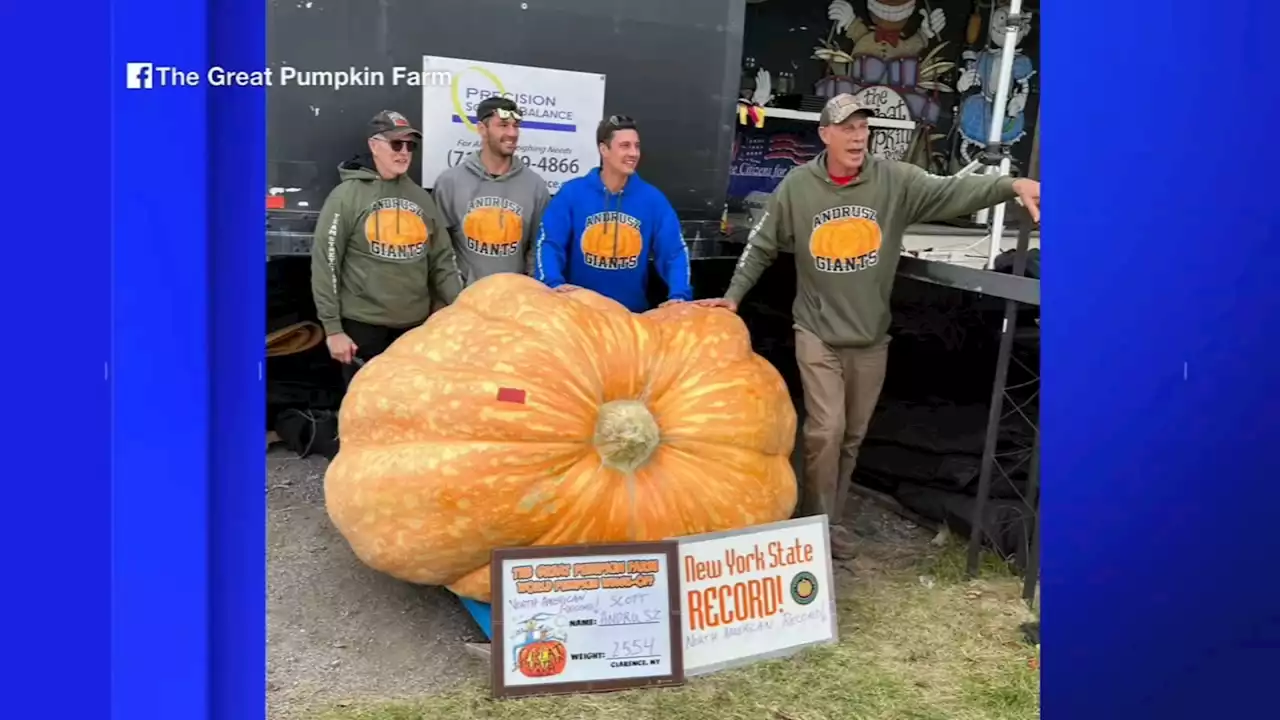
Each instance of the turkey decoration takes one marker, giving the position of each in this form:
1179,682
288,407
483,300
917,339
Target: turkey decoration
751,110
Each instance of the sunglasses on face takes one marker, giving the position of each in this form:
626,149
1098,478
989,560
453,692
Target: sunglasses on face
398,145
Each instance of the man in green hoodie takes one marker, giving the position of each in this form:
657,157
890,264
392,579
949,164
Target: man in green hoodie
491,201
843,215
381,255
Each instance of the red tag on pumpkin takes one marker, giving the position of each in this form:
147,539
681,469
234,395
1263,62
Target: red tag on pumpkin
511,395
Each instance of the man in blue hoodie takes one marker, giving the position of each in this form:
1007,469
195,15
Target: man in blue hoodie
601,230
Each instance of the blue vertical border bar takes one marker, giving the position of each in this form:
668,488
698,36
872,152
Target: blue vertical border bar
237,262
56,575
160,364
1161,364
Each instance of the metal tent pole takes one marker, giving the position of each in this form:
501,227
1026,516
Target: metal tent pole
1004,80
996,410
1031,568
1033,167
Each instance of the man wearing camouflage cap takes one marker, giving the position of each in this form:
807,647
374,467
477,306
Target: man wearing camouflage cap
843,215
382,256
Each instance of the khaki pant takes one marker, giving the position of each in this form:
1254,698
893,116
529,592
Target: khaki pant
841,388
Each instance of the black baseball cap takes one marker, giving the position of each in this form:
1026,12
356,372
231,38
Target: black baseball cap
491,105
390,121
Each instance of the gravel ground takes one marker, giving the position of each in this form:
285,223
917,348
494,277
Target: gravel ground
339,632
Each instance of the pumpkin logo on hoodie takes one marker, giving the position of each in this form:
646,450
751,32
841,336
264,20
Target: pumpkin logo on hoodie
395,230
845,239
612,241
493,226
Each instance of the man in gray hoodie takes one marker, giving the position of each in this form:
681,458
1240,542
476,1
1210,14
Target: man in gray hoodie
491,201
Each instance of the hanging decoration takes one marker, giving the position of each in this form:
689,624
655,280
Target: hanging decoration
893,64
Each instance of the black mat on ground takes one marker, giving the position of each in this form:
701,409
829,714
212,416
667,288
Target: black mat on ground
308,380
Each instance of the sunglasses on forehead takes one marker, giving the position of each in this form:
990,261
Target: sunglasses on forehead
621,121
504,114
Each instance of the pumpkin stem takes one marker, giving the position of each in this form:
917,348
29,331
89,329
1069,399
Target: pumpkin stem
626,434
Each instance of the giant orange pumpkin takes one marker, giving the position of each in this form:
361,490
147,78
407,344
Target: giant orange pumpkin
521,416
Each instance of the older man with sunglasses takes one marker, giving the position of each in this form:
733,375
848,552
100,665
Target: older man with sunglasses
381,256
600,231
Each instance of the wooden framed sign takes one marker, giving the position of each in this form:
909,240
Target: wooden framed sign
585,618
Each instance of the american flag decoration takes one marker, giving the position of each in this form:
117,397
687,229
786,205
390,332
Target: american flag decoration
774,148
761,161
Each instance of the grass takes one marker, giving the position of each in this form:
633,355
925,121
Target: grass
917,642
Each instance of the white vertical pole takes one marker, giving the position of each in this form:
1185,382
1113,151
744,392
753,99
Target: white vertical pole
1004,80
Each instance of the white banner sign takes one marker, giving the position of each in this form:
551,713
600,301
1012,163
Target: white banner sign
561,110
756,593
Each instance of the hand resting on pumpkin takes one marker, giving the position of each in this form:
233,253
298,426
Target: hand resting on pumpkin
725,303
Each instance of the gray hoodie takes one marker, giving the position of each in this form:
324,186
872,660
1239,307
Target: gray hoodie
493,220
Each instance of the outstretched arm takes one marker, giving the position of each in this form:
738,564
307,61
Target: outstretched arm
672,254
928,198
550,251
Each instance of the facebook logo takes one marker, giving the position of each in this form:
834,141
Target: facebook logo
138,76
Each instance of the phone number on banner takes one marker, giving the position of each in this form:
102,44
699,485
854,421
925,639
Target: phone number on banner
546,163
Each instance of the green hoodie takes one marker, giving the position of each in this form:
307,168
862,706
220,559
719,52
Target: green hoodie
847,239
381,253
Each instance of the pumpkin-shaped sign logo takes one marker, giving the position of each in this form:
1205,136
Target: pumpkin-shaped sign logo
804,588
493,226
612,241
542,659
845,239
395,230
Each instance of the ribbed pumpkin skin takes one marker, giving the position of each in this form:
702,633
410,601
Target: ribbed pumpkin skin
435,471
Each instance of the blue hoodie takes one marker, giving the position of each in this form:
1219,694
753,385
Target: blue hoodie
600,241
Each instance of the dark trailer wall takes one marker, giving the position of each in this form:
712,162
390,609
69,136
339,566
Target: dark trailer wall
682,93
671,64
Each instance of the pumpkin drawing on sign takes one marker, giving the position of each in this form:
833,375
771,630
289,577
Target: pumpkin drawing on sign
804,588
542,659
520,416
